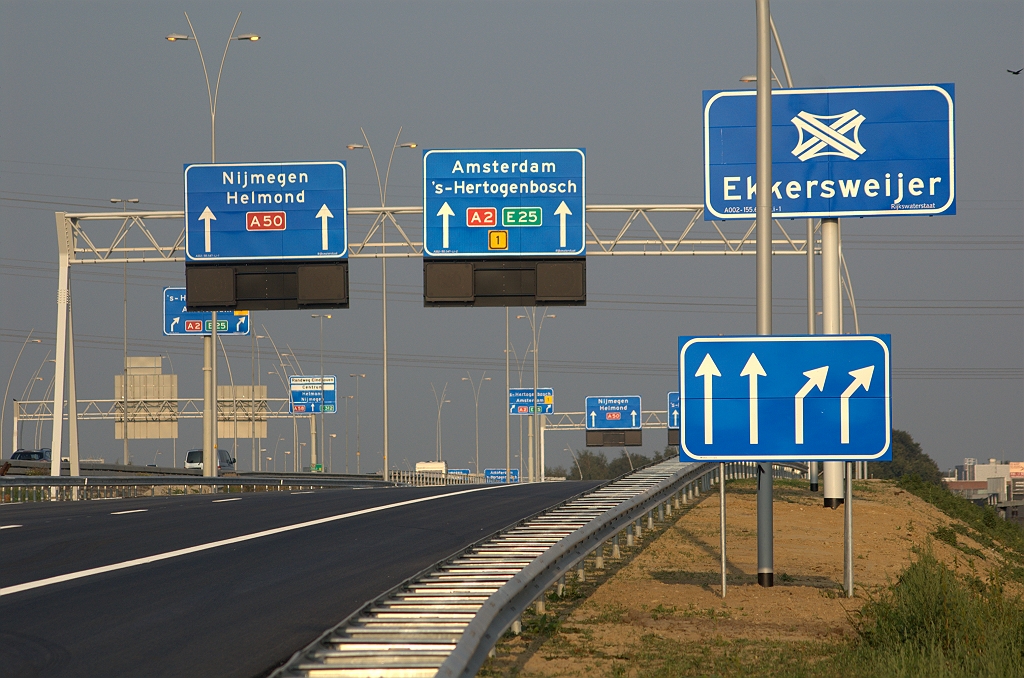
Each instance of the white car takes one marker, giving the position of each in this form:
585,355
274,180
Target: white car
194,459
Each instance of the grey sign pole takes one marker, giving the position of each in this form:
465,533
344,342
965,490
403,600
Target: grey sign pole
721,516
214,418
848,532
830,314
765,554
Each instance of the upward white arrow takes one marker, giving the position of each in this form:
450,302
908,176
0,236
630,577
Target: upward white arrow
633,413
815,378
753,370
207,216
323,215
444,213
707,369
593,419
861,377
675,418
562,211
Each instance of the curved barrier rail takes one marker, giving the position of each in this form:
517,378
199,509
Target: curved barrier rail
445,620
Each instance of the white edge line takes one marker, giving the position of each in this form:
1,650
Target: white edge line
81,574
9,527
121,513
220,501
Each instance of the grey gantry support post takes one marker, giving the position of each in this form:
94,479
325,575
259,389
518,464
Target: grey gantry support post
831,319
765,547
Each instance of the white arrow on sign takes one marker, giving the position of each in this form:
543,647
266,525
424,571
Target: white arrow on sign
207,217
444,213
241,321
173,323
675,418
593,420
861,377
323,215
562,212
753,370
707,369
815,378
633,413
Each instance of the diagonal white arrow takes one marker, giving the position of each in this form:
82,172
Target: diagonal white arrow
207,216
562,211
753,370
174,322
861,377
444,213
815,379
708,369
323,215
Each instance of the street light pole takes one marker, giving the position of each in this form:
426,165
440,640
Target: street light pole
124,366
323,393
536,446
440,403
209,343
3,408
476,406
358,449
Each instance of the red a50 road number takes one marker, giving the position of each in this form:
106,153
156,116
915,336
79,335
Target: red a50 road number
264,221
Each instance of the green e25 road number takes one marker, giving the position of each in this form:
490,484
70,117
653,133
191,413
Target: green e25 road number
521,216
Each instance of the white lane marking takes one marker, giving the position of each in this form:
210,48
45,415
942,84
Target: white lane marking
304,492
218,501
81,574
8,527
121,513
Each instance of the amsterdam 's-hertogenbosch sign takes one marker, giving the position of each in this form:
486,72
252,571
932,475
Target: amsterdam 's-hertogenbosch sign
836,152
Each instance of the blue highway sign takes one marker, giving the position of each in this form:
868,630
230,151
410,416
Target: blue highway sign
266,211
819,398
504,203
521,399
673,409
613,412
497,475
836,152
178,321
313,394
458,471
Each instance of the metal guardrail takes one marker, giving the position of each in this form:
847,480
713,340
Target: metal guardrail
445,620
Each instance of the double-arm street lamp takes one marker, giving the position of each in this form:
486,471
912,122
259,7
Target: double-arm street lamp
536,458
358,450
323,393
440,401
476,405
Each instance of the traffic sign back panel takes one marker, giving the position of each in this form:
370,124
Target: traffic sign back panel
266,211
613,412
178,321
536,196
836,152
785,398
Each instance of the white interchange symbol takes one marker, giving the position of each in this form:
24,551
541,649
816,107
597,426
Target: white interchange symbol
815,379
828,132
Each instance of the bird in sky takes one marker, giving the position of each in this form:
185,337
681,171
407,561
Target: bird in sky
1016,72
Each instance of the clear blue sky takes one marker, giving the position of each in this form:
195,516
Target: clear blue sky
95,104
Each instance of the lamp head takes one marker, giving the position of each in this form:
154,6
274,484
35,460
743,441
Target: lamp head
174,37
353,147
247,37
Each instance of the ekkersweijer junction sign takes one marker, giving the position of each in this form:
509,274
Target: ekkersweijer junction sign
837,152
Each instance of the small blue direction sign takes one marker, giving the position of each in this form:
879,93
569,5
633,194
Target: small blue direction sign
613,412
820,398
504,203
520,401
836,152
672,410
497,475
458,471
178,321
313,394
266,211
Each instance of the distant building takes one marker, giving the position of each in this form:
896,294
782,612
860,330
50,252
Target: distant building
1004,479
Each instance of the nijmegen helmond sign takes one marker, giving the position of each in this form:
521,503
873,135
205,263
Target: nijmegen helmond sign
836,152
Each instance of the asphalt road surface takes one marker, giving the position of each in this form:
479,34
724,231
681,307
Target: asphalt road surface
221,585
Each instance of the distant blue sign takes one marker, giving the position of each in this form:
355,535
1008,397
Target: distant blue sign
673,410
520,401
504,203
459,471
313,394
178,321
822,397
836,152
497,475
266,211
613,412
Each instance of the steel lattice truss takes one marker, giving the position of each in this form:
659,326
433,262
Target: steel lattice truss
577,421
374,232
160,409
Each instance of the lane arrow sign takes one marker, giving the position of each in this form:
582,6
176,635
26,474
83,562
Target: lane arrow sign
207,217
707,369
562,211
444,213
861,377
323,215
815,378
753,370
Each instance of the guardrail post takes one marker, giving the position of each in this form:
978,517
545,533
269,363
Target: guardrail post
517,626
599,561
668,509
616,554
650,519
675,499
560,587
539,607
661,511
638,530
629,535
581,574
